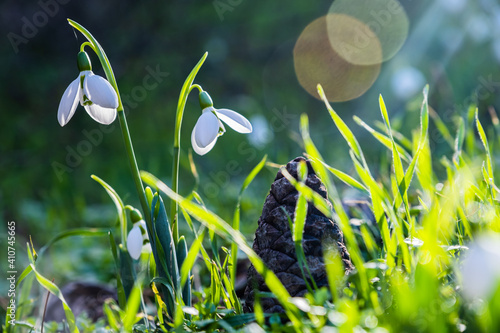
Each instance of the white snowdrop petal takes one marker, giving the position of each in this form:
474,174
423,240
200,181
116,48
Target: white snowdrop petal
134,243
201,150
69,102
206,129
100,91
235,120
100,114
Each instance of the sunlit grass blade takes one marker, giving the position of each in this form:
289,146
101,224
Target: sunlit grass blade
402,142
236,218
343,128
188,263
339,213
297,227
215,223
334,270
53,289
383,139
441,127
376,195
133,303
403,181
484,140
345,178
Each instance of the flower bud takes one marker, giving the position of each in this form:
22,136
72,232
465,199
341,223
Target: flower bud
205,100
83,62
135,215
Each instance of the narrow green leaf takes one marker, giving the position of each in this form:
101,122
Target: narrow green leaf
134,301
345,178
484,140
340,215
341,126
236,217
215,223
182,253
459,140
186,88
52,288
122,298
383,139
119,207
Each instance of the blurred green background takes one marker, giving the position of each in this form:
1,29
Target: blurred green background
454,45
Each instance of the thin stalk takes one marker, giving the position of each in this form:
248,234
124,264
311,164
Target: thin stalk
96,47
174,207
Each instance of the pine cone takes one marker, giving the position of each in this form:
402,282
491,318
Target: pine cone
274,244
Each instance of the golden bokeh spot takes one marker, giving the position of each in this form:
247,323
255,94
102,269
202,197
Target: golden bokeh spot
353,40
385,19
316,62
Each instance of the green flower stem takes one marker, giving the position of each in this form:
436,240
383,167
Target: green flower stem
92,42
82,47
186,90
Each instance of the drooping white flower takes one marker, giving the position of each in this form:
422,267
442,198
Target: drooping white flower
209,126
137,240
481,267
93,92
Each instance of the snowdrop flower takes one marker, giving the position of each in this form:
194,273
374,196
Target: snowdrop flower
481,267
95,94
209,126
137,240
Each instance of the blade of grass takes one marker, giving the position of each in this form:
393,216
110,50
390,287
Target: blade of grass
215,223
343,128
339,213
345,178
120,207
236,218
52,288
383,139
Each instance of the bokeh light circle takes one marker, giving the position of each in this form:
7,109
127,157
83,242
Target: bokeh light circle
315,62
353,40
381,23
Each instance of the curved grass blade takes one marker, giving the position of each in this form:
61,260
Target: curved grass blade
236,218
383,139
343,128
340,214
344,177
484,140
120,207
52,288
215,223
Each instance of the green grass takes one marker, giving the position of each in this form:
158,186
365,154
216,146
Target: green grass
409,283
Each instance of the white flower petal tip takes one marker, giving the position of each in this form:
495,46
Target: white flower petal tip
235,120
100,114
201,150
68,103
97,95
205,133
134,242
480,268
